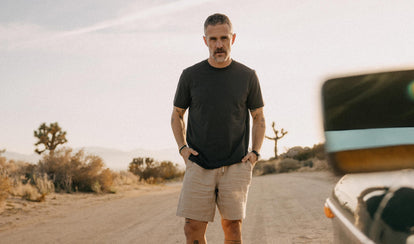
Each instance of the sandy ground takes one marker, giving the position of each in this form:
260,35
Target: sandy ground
282,208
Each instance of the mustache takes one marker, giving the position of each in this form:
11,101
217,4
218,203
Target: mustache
220,50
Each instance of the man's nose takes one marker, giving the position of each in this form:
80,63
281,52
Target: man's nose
219,44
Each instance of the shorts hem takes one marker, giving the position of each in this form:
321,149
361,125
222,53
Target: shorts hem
195,217
234,218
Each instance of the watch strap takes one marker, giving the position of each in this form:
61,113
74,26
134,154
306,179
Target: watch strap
255,152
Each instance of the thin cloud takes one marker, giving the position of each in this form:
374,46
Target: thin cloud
123,20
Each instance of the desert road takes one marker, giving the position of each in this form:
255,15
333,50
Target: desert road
282,208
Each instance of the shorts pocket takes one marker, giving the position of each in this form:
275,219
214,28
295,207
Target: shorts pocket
188,163
249,165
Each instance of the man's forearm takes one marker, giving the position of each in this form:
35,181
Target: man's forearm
178,126
258,130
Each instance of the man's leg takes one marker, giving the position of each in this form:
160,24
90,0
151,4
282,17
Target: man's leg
197,201
232,231
232,194
195,231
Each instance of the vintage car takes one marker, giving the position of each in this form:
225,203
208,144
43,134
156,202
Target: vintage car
369,131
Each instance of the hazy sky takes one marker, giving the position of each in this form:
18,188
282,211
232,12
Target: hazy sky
106,71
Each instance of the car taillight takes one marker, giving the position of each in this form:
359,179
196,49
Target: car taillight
328,211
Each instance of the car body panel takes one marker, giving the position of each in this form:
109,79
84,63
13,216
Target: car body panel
369,131
352,222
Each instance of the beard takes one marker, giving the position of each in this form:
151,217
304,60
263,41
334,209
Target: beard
220,55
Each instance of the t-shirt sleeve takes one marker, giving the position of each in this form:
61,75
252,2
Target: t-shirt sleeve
182,98
254,99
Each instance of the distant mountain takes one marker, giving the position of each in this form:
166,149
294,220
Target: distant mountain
32,158
113,158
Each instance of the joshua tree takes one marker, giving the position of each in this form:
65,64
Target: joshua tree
50,137
277,136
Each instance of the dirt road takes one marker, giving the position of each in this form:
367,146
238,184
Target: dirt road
283,208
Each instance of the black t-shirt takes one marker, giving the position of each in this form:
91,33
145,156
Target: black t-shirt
218,120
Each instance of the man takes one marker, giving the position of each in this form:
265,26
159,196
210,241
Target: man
219,93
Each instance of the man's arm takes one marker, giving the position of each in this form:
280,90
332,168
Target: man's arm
258,134
178,128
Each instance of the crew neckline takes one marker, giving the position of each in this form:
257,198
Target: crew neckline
224,68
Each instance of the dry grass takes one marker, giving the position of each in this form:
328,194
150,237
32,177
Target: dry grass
4,187
44,185
124,178
27,192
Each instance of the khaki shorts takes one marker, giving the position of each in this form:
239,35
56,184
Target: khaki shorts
203,189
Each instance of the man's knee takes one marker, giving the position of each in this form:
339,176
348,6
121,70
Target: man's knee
194,227
232,228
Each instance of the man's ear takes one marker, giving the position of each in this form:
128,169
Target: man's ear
233,38
205,40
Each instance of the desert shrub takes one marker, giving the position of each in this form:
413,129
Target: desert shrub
4,180
106,180
76,171
265,167
86,175
288,164
319,151
9,168
60,168
308,163
152,171
269,168
29,174
169,171
306,153
4,187
43,184
295,159
138,165
26,172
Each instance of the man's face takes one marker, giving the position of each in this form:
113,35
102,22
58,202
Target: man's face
219,39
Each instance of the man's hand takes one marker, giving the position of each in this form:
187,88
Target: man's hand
186,152
251,156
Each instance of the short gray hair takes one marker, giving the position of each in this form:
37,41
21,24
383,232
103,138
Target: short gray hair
216,19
